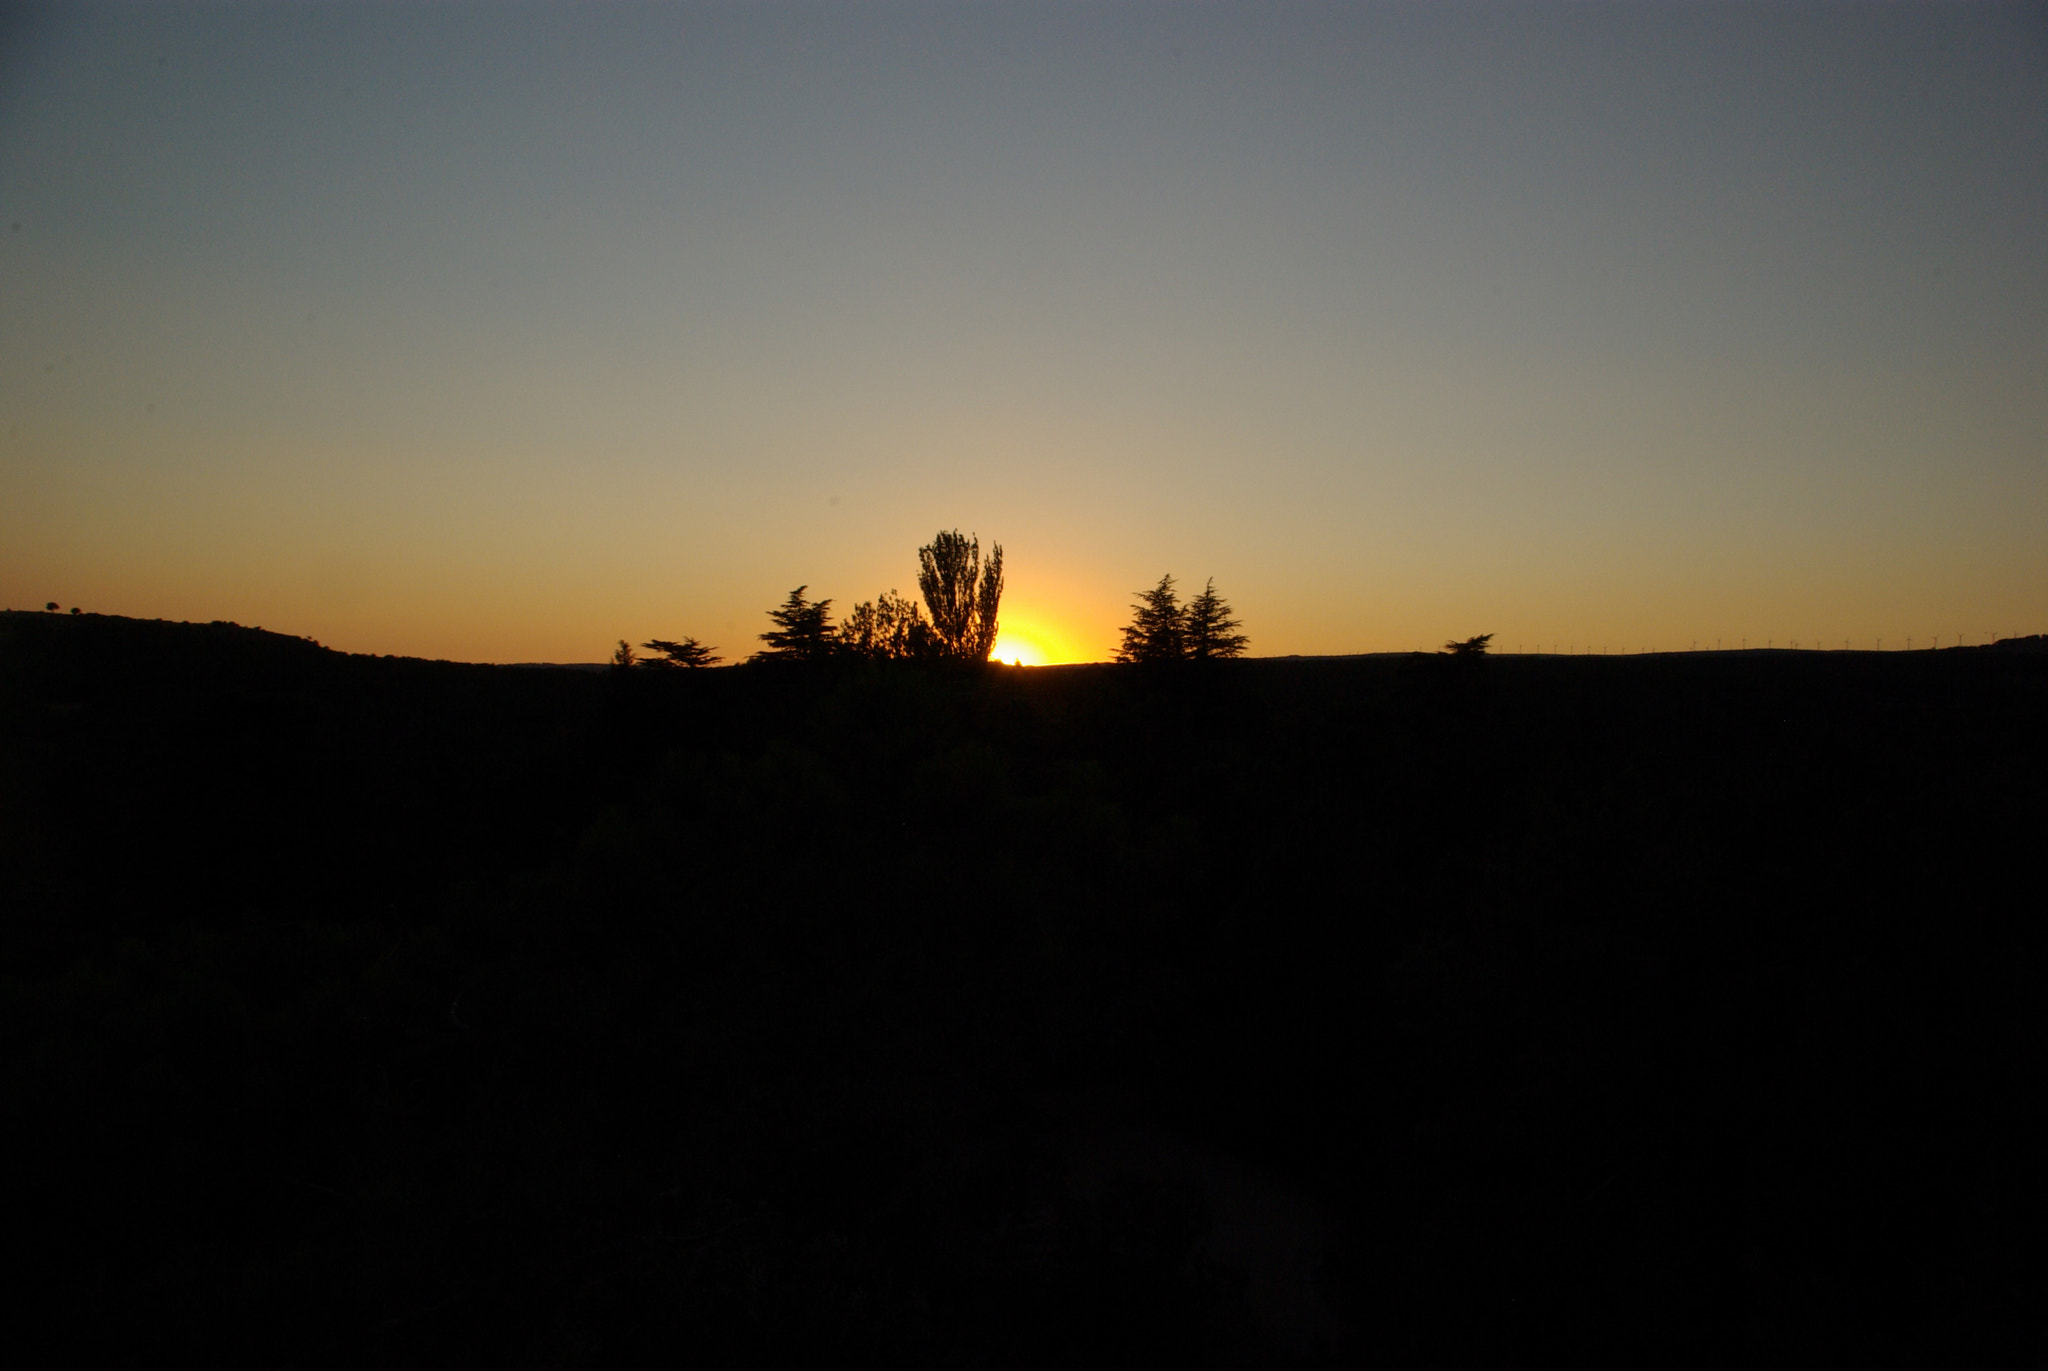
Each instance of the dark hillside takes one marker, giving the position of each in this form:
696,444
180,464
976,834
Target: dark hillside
158,768
1412,1011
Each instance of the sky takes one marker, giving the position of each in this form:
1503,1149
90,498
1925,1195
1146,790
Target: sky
501,332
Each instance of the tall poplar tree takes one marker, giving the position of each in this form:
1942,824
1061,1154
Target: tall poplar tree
961,593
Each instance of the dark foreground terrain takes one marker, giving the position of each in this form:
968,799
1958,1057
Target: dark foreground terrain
1397,1012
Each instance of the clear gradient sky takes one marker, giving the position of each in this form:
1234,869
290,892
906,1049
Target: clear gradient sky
500,332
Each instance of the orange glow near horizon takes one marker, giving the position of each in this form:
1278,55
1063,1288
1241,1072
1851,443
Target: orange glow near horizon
1029,640
622,327
1017,650
1020,648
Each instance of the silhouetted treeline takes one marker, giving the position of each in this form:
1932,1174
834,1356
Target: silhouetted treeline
1659,1010
963,592
1164,630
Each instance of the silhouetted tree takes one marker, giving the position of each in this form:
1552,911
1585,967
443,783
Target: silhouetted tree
688,653
1207,630
52,606
962,594
803,632
887,628
1157,631
624,657
1471,647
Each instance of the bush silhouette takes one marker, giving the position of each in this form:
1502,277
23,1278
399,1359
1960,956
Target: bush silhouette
887,628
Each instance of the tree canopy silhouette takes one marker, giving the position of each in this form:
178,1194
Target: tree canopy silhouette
886,628
1208,630
962,593
687,653
1156,630
1470,647
803,631
624,656
1164,630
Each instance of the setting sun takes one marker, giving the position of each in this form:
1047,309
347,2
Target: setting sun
1018,650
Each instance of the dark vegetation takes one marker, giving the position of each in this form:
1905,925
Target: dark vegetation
688,653
1162,629
963,593
1648,1011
